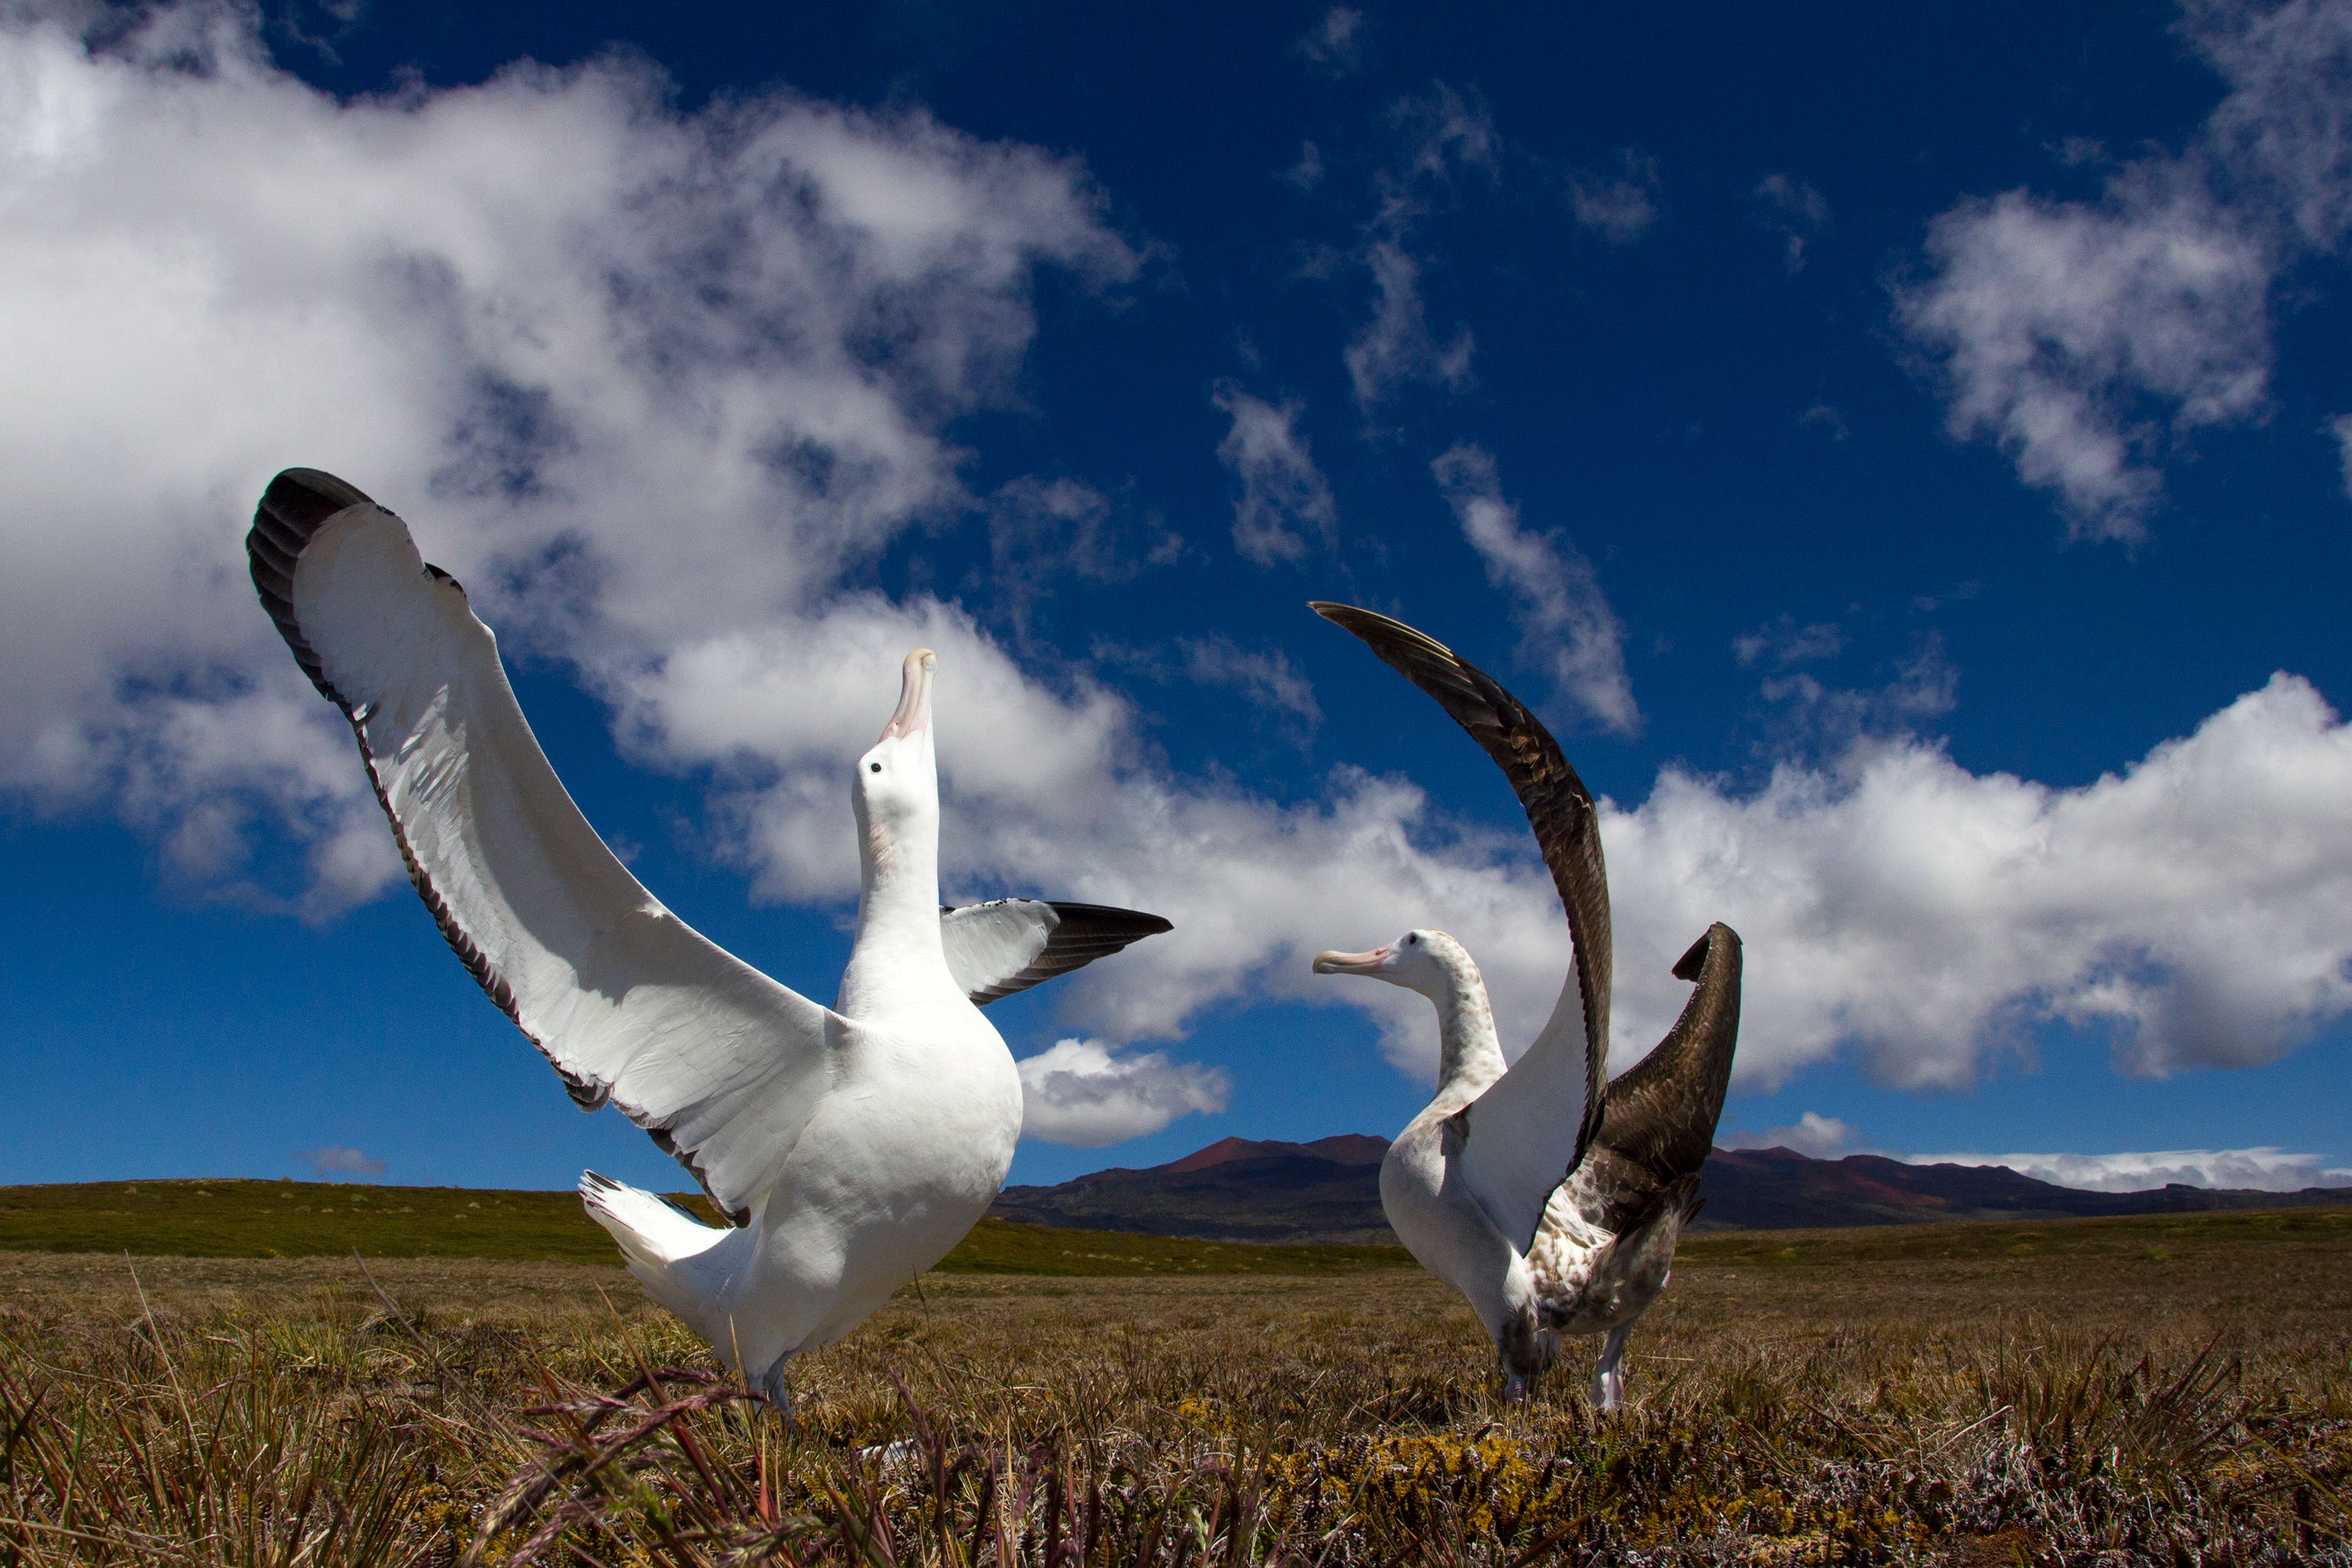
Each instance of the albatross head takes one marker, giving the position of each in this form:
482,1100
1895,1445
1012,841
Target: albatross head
897,778
1429,961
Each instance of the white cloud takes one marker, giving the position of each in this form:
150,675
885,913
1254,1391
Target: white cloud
2342,430
1286,503
1447,134
2086,337
634,372
1793,210
1823,1137
1565,622
1335,44
2197,908
333,1159
1621,207
2266,1170
1085,1094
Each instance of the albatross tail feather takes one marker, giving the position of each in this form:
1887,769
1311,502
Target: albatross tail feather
653,1231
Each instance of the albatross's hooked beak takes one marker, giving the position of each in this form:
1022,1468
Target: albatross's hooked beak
914,696
1353,962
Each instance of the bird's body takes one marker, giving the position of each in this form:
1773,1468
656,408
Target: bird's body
1550,1197
852,1145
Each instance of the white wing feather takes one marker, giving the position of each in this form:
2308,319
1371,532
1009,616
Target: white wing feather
988,944
1521,1140
723,1065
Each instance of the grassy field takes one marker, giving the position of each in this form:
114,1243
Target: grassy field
321,1219
2106,1392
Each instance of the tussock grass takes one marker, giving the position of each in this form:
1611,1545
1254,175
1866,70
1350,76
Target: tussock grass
2083,1403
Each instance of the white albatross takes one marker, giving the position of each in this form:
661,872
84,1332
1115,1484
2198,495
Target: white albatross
1550,1197
852,1145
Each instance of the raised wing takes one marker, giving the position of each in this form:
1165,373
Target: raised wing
719,1063
1660,1121
1528,1131
1010,944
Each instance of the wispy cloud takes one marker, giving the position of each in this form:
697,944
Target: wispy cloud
2266,1170
334,1160
2087,339
1085,1094
2342,430
1445,133
1264,678
1286,503
1306,171
1335,44
1565,622
1793,210
1620,206
1817,716
1784,643
1042,533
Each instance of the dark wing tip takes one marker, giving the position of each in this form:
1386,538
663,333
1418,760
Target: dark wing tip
1376,628
1081,933
1133,925
310,493
297,503
1691,964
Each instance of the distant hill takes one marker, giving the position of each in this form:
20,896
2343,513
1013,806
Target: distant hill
1328,1190
1236,1190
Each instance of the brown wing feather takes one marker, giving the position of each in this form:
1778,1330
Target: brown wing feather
1663,1110
1559,808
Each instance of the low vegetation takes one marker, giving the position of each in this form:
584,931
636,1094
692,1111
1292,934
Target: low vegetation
323,1219
2172,1390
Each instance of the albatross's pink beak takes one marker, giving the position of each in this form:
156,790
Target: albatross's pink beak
1353,962
914,696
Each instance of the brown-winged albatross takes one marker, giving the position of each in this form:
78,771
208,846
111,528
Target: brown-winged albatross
851,1145
1549,1195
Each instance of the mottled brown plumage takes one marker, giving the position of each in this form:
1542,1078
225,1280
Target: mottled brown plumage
1659,1124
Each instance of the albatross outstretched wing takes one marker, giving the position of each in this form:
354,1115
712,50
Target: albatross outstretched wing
1530,1130
1659,1124
1010,944
719,1063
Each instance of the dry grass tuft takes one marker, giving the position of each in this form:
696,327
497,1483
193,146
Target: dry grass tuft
2092,1406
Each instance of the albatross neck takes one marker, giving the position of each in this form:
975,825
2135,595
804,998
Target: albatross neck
897,953
1469,1057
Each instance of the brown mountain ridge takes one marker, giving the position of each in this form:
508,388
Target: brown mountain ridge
1241,1189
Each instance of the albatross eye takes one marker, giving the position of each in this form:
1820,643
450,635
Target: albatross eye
874,767
1413,939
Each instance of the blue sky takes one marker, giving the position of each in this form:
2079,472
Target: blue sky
1904,454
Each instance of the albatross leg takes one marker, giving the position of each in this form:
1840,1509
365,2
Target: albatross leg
1608,1377
774,1389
